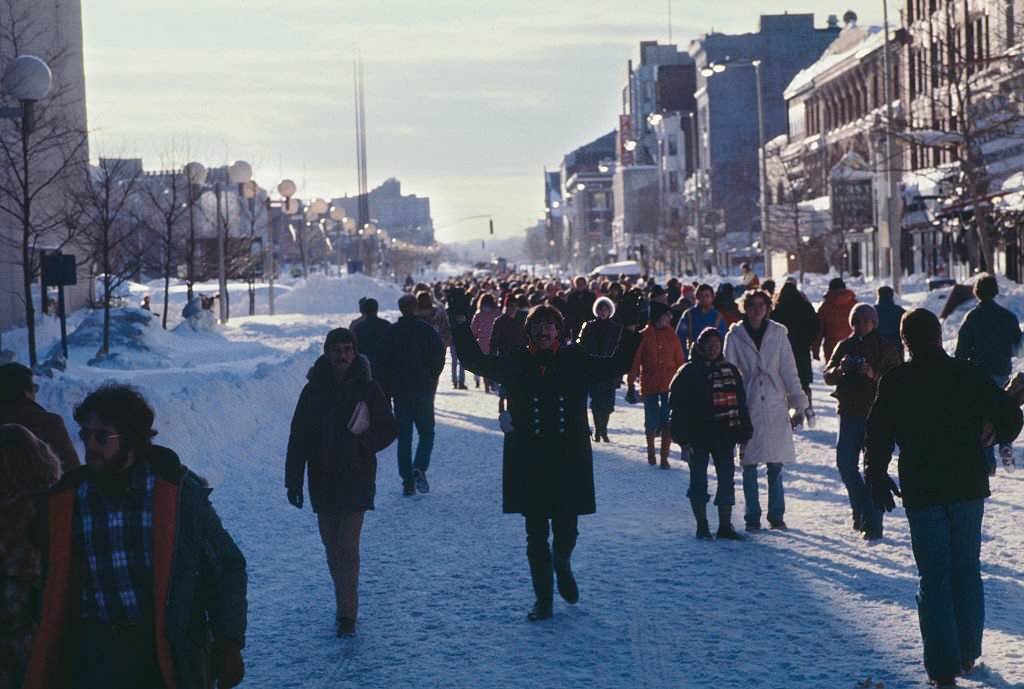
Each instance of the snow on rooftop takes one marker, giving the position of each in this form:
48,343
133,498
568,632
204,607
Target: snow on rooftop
846,46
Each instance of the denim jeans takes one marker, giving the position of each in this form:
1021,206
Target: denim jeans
417,409
776,498
458,373
990,452
725,471
950,597
656,413
848,449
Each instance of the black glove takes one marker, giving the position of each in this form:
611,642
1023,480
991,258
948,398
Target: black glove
295,497
883,488
458,304
226,661
631,395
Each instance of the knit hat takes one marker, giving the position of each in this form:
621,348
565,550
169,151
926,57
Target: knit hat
658,310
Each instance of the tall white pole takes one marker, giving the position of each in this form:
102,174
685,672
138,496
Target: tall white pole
763,187
891,220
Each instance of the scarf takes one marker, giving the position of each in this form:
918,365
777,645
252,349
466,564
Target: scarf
725,407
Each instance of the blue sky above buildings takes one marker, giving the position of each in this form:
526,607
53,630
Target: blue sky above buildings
466,100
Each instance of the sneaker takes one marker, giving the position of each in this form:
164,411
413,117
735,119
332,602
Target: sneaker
346,627
778,525
753,526
809,417
419,478
408,488
1006,454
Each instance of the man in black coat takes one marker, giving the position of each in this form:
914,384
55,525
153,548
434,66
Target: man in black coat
339,451
934,408
18,405
989,337
410,363
547,468
578,306
369,331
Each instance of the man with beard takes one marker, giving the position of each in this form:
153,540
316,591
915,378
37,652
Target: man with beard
144,587
548,470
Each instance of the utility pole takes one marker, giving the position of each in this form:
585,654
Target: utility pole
892,220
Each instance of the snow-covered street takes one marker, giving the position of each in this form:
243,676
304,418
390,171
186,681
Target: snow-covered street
445,586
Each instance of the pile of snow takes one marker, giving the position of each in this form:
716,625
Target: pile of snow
319,294
132,291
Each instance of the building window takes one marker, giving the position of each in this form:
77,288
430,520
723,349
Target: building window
673,145
673,182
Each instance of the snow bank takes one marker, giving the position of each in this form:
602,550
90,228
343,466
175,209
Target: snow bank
319,294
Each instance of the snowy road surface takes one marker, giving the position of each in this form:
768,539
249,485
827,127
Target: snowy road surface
445,586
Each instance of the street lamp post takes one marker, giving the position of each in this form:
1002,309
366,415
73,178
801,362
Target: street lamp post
195,173
289,206
717,68
238,174
28,79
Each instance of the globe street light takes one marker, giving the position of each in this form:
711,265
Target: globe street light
289,206
239,174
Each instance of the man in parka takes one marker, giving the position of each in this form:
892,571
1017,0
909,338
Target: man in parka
547,468
139,572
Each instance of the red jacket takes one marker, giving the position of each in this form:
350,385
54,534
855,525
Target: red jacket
834,316
657,359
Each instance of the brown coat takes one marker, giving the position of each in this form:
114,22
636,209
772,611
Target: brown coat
46,426
855,391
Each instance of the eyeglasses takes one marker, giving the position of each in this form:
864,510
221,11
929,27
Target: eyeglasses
100,435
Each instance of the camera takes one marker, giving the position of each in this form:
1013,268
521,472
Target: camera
852,364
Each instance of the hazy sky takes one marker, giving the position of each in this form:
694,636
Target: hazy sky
466,100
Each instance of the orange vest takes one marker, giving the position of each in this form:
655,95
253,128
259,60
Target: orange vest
50,664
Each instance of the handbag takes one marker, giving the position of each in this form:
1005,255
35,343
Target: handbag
359,422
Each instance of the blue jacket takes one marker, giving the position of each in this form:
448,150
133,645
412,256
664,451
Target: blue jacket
693,321
889,315
989,337
411,357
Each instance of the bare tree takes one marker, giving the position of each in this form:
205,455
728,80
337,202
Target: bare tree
42,161
110,213
165,211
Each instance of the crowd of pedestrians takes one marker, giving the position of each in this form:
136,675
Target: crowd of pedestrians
118,573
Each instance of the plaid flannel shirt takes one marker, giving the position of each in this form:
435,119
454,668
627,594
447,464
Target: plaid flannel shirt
114,542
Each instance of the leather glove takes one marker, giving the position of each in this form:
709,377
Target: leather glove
631,395
458,305
883,488
797,419
227,665
295,498
505,421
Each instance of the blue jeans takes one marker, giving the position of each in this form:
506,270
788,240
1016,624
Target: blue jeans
848,449
725,471
458,373
656,413
950,597
414,409
990,452
776,498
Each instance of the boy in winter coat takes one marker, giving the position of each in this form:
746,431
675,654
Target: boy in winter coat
657,359
709,416
702,315
760,349
856,366
834,315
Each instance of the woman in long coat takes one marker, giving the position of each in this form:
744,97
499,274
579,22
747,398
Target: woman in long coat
547,467
760,349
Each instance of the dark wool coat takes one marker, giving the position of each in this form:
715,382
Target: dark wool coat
547,464
578,309
989,337
199,580
507,335
411,357
802,326
934,408
369,332
342,467
46,426
856,392
689,398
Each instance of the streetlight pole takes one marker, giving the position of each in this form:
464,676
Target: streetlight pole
892,223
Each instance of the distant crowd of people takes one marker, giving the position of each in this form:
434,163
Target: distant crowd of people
119,574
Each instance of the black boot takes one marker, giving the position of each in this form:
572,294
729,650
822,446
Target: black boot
605,415
567,587
700,513
725,529
597,425
543,586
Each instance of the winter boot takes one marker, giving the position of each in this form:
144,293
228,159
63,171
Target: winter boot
700,513
703,530
666,448
567,587
725,528
651,458
597,425
543,586
605,416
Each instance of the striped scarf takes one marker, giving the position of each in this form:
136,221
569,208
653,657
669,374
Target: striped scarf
725,407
